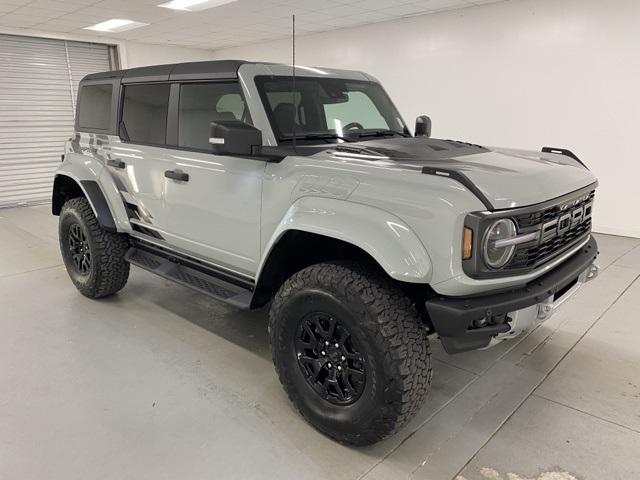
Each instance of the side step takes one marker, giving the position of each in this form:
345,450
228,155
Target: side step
192,274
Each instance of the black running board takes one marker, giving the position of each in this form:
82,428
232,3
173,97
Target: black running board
192,274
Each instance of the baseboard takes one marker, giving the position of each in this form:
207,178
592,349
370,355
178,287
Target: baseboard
632,231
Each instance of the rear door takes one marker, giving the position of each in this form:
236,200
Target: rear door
215,214
139,162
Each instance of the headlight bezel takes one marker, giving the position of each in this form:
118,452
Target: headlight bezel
480,223
509,250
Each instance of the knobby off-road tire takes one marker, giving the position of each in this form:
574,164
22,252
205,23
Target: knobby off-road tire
345,315
94,258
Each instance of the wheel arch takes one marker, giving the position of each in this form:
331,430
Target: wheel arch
323,229
66,187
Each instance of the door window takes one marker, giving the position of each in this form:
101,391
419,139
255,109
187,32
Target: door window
203,103
144,113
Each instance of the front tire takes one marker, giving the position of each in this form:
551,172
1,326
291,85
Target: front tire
350,351
93,257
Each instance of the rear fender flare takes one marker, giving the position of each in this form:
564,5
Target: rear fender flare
94,196
98,187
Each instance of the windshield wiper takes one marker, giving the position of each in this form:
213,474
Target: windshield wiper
381,133
316,136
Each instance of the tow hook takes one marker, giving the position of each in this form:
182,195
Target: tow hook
591,272
545,308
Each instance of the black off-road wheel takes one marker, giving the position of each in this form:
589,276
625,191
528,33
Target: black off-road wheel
94,258
350,351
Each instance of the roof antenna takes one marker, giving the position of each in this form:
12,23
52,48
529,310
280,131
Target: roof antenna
293,93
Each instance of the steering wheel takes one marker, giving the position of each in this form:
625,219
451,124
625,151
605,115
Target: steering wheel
352,126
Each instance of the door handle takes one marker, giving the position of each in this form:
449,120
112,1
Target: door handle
177,175
116,163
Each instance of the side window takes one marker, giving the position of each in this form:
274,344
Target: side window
144,113
203,103
94,109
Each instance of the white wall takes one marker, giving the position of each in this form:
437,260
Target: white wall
136,54
523,73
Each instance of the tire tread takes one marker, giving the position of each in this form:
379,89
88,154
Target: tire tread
389,315
109,249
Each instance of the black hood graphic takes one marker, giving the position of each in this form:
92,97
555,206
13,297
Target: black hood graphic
413,148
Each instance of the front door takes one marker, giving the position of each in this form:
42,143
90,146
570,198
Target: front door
214,213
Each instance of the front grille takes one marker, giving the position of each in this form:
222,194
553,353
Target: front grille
529,256
543,216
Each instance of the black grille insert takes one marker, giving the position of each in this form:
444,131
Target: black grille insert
561,228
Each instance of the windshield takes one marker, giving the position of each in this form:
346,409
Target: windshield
328,109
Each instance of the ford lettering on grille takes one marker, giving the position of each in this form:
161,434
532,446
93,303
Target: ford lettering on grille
560,227
562,224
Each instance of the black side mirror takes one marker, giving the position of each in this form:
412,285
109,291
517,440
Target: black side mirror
423,126
234,137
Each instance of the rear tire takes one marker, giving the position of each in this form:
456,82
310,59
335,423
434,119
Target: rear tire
345,315
94,258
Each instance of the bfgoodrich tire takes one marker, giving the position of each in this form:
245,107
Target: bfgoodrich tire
94,258
350,351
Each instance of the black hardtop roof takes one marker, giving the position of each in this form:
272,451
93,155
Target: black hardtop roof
215,69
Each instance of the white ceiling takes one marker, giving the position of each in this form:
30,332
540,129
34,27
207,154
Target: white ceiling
241,22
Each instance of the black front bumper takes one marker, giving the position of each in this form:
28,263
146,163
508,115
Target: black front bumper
453,317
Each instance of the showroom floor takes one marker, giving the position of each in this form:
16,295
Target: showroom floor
159,382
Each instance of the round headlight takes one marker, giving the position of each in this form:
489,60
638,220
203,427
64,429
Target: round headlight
495,255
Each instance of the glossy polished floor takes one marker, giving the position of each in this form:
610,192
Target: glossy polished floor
158,382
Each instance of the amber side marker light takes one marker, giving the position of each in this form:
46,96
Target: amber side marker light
467,243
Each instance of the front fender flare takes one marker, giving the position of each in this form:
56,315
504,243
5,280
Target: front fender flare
381,234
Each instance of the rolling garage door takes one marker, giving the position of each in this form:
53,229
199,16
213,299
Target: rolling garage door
38,88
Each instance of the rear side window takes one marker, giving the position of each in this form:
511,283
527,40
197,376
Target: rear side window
144,113
203,103
94,110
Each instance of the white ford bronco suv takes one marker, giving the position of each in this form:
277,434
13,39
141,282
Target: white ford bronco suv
303,189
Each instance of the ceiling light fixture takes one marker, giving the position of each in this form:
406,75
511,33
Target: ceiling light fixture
194,5
115,25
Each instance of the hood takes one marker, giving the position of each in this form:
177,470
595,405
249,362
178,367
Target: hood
506,178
